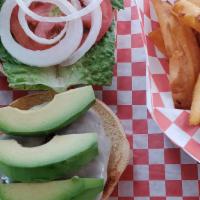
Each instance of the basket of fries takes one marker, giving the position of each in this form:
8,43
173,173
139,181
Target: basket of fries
172,37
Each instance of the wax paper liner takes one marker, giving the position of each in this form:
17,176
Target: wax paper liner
173,122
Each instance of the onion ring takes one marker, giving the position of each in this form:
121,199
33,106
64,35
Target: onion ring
52,56
75,15
24,24
96,23
77,4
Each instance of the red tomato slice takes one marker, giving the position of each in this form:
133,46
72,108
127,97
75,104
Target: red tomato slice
107,15
42,9
50,30
106,7
20,36
46,30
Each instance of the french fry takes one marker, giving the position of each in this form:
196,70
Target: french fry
195,109
188,12
183,52
196,2
197,35
163,10
157,38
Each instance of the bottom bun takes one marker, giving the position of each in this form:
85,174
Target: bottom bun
120,152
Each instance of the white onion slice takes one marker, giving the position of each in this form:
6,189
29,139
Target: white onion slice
75,15
24,24
96,23
45,58
77,4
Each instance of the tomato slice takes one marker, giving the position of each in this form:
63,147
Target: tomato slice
42,9
44,29
21,37
106,7
107,17
50,30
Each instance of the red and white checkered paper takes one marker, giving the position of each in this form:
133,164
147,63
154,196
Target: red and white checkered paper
173,122
158,169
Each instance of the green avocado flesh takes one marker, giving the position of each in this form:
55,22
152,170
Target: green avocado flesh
73,189
59,157
61,111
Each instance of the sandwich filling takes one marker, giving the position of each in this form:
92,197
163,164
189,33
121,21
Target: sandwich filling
49,44
90,122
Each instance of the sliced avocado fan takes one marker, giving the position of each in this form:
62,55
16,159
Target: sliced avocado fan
61,111
59,157
72,189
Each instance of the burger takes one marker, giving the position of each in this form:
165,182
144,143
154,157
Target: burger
60,147
54,44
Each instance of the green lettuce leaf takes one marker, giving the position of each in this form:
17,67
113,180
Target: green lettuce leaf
95,68
118,4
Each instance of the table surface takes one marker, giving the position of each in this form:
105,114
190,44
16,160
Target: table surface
158,169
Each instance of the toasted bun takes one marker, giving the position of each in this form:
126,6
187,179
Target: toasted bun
120,152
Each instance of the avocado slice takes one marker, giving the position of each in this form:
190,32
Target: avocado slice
59,157
72,189
61,111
